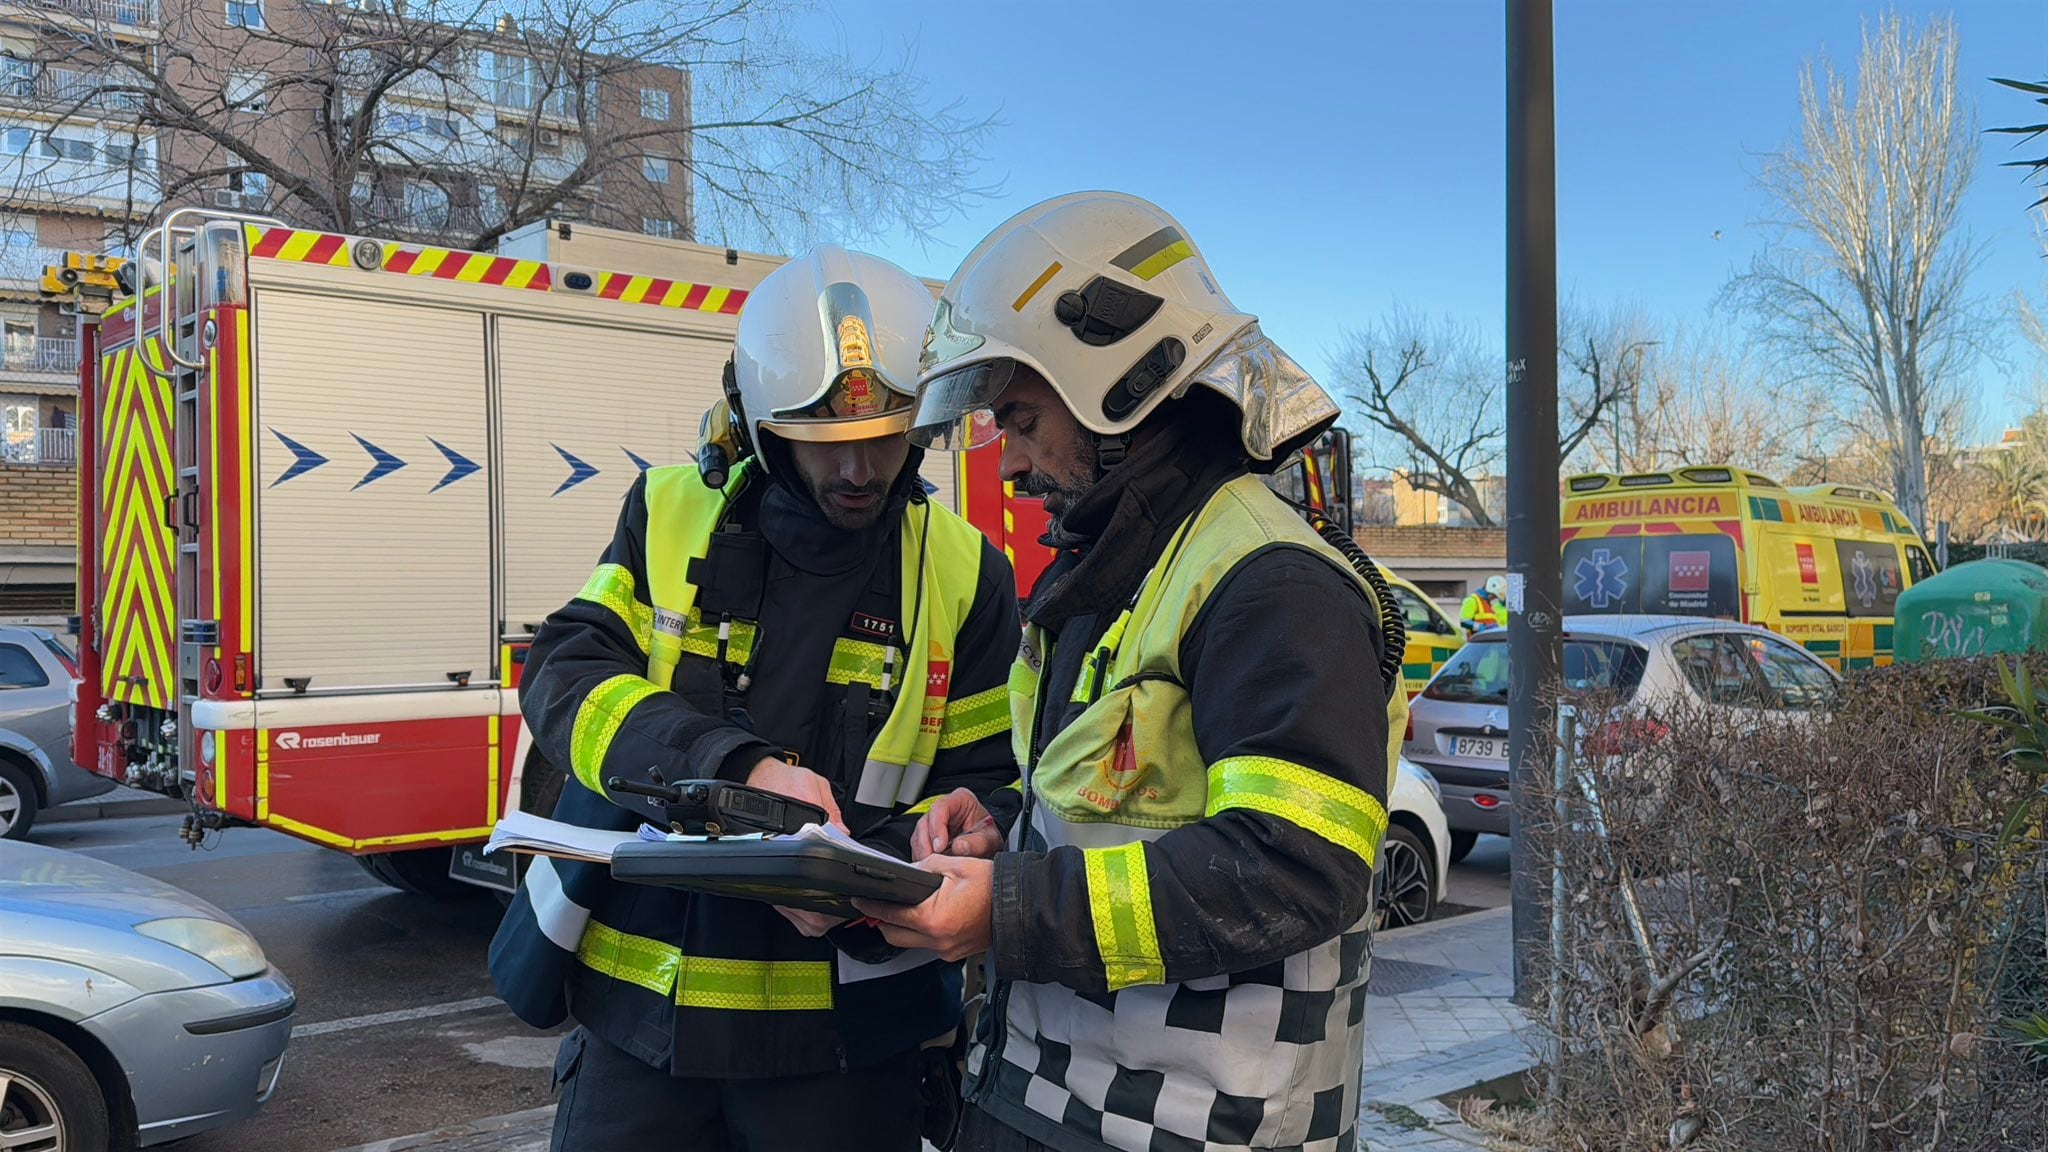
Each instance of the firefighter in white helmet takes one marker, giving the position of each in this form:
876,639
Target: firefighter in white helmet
811,625
1486,607
1177,919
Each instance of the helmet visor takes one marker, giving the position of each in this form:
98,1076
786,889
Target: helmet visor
956,410
859,405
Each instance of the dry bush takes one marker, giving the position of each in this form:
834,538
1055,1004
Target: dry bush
1838,940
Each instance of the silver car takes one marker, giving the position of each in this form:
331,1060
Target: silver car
36,771
1458,726
131,1013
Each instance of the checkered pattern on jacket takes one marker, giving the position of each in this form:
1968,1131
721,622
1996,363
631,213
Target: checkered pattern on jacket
1264,1059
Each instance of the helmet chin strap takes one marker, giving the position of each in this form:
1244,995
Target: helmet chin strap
1110,451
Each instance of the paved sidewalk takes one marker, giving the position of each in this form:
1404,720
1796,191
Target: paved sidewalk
1438,1021
121,801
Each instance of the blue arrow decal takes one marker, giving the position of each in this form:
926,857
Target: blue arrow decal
579,471
637,462
382,463
306,462
458,465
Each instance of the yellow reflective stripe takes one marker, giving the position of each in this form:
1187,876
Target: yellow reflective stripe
1163,259
612,586
755,985
701,639
856,661
976,717
922,806
1345,816
707,982
598,721
635,959
1120,900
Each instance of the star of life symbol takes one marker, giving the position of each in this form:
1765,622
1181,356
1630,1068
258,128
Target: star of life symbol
1598,579
1866,580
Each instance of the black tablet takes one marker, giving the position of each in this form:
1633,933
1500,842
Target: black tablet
808,874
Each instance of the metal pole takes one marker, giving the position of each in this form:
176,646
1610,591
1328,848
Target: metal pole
1534,589
1561,758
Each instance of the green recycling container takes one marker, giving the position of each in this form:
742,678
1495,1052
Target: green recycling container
1974,609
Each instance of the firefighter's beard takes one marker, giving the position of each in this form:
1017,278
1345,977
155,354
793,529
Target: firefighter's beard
1063,484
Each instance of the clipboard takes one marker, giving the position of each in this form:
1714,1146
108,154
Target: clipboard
812,874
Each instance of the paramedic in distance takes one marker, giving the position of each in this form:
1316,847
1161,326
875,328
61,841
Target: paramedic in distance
841,640
1178,932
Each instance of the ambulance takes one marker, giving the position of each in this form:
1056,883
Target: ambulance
1821,565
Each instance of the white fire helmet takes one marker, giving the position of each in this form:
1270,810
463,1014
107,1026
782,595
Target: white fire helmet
1496,586
827,349
1107,298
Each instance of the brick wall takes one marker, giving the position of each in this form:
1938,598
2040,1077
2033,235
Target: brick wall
1431,540
38,505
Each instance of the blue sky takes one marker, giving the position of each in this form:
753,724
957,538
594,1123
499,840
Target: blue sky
1332,158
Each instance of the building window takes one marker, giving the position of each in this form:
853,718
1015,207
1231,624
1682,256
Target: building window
666,229
70,148
254,187
425,206
420,123
18,429
655,168
653,104
246,92
245,13
17,141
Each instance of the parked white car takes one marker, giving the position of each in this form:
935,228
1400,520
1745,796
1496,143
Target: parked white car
1414,867
1458,726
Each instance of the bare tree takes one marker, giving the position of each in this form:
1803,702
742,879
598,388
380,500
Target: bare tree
1705,397
461,120
1433,397
1865,289
1431,390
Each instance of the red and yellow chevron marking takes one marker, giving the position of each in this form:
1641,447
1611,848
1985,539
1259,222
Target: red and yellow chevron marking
670,293
136,550
302,247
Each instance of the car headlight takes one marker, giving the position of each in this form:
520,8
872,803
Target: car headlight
224,946
1428,779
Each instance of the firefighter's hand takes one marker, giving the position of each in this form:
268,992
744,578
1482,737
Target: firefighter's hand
957,825
813,924
786,779
954,921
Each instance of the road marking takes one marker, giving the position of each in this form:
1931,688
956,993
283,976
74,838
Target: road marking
378,1019
343,894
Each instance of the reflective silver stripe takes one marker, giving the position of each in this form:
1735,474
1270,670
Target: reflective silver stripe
912,788
561,919
880,783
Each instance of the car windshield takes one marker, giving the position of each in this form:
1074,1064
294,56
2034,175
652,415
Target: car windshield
1478,673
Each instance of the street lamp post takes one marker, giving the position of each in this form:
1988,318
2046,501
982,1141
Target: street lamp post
1534,588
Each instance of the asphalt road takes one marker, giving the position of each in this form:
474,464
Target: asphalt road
397,1030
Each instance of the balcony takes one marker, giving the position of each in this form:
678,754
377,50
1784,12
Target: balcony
62,90
40,355
137,14
47,447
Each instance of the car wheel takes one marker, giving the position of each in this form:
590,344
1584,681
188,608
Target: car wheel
1404,885
1462,844
422,872
49,1101
17,801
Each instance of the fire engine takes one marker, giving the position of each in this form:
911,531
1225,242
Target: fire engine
332,484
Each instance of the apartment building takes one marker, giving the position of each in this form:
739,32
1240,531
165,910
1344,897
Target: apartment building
254,105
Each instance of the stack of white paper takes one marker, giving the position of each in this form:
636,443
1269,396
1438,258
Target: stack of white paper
540,836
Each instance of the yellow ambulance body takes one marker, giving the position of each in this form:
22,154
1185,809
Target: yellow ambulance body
1822,566
1432,634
